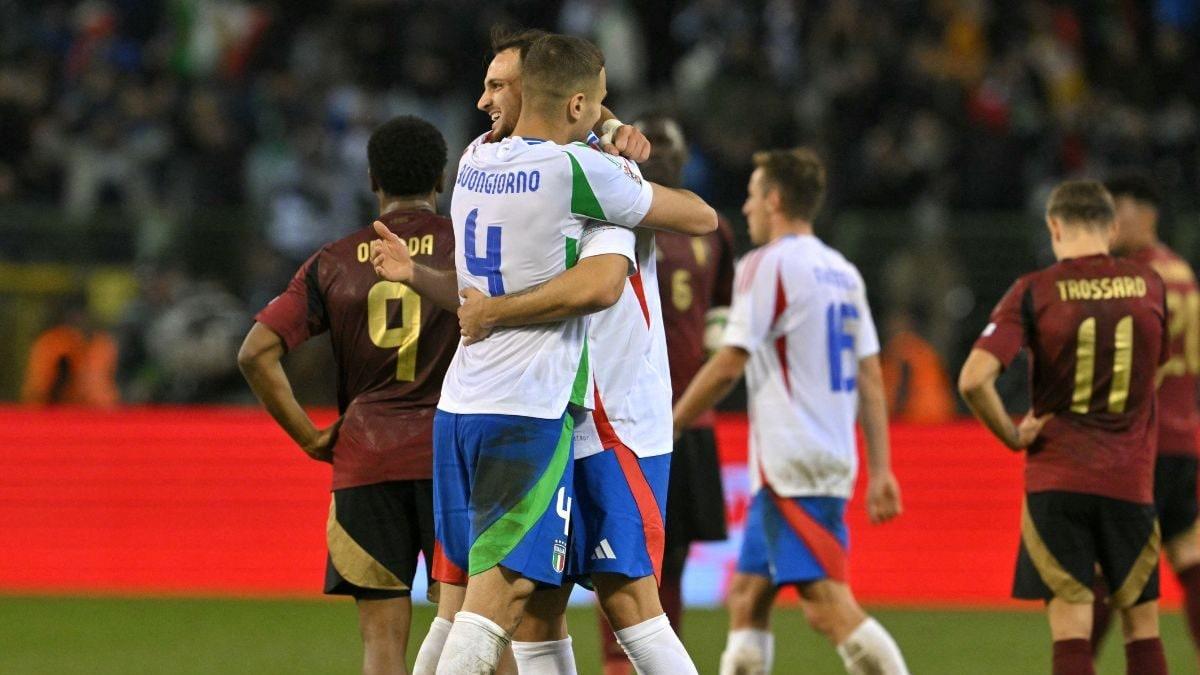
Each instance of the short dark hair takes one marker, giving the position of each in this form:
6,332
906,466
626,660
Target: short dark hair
557,66
1136,186
799,175
407,156
1082,202
505,38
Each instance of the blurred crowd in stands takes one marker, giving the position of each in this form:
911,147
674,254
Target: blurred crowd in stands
230,135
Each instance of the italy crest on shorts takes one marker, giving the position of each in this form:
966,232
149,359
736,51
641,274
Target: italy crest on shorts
559,558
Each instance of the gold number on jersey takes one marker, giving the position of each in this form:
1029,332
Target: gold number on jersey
1085,366
364,252
1184,320
402,338
681,289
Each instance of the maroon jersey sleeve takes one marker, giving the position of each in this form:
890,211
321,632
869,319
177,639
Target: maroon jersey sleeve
1008,329
722,292
299,312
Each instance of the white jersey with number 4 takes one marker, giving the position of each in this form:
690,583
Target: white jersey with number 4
520,208
800,310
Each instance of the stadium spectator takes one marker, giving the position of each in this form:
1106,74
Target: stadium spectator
73,362
136,117
914,378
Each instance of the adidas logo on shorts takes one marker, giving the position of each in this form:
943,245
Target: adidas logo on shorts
603,551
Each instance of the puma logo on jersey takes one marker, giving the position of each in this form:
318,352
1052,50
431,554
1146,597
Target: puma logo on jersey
603,551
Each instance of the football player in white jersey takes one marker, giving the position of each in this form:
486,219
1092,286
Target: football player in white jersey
622,465
801,330
500,393
617,546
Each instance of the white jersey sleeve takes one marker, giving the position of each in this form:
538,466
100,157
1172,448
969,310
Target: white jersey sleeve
607,188
602,238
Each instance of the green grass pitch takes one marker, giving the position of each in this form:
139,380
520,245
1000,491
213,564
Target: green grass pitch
98,636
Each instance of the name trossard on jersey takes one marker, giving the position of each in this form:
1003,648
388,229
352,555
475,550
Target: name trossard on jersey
800,310
524,211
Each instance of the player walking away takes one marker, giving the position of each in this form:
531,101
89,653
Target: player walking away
697,274
1095,329
498,525
801,330
392,351
1137,204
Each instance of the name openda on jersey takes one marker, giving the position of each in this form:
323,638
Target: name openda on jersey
499,183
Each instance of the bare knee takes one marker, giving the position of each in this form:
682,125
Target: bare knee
384,619
627,602
1069,620
545,616
1140,622
749,599
500,595
831,610
383,625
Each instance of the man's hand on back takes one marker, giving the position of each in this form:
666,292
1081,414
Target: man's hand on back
389,255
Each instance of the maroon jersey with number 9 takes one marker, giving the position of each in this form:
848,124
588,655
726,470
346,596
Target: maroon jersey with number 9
1096,332
391,346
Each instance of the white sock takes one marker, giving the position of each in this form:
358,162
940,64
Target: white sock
871,649
654,648
748,651
545,658
473,646
431,647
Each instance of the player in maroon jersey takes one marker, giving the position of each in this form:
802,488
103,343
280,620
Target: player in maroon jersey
1175,469
695,282
1095,328
392,350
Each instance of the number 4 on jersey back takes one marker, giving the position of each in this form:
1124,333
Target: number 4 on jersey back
487,265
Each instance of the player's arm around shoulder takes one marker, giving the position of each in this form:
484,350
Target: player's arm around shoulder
680,210
623,197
